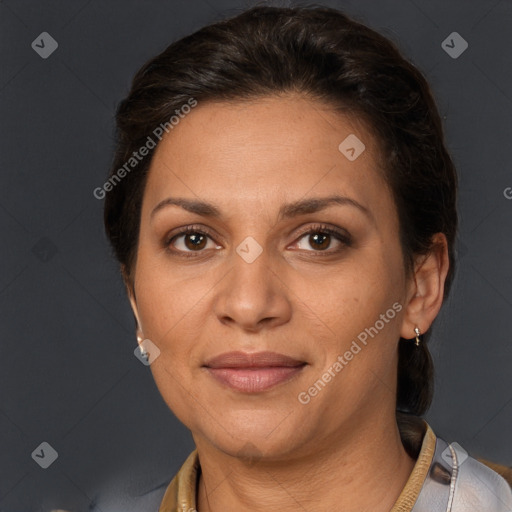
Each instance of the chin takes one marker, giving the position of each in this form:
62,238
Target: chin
254,437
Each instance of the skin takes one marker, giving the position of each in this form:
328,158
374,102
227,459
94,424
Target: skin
267,451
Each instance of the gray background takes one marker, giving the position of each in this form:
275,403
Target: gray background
68,374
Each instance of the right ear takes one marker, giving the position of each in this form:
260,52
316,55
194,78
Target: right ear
133,302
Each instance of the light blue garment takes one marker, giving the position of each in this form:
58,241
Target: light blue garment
457,482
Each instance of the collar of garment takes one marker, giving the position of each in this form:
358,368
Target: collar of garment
444,479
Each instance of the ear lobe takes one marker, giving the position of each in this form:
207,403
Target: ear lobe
140,336
427,288
138,328
133,302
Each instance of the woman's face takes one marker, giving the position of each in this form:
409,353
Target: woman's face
271,265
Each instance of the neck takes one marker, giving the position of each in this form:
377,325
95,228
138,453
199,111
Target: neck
361,469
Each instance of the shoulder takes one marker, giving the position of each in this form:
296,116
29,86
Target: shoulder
413,430
480,485
503,471
470,484
453,479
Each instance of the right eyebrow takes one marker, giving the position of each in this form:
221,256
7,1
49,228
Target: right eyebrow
191,205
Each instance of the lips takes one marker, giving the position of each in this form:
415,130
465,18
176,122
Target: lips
253,373
254,360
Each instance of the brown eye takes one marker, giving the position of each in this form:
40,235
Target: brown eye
321,238
190,240
319,241
195,241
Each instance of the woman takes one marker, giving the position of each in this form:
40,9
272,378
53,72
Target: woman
283,208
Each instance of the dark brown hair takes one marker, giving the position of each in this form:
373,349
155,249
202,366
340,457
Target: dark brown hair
322,54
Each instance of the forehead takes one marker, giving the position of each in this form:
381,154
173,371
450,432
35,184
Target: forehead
252,154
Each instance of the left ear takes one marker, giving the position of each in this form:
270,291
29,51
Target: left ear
426,289
130,290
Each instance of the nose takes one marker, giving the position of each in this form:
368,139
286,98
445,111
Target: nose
252,296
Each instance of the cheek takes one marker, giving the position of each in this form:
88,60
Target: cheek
353,298
170,313
166,299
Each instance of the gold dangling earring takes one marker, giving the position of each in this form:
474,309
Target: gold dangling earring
417,331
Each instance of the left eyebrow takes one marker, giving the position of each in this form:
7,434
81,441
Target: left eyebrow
316,204
289,210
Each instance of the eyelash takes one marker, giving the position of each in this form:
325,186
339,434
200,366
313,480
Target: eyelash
340,235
